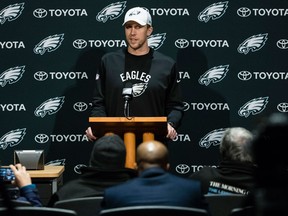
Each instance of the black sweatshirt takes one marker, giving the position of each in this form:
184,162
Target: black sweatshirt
229,177
156,91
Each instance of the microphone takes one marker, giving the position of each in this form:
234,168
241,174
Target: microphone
127,96
127,91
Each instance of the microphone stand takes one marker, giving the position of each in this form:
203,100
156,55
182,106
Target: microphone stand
126,107
127,95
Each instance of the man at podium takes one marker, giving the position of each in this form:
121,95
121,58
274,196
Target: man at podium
138,81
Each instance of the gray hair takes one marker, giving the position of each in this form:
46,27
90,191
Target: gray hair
235,144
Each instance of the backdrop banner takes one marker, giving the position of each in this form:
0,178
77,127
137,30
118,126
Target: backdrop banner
232,56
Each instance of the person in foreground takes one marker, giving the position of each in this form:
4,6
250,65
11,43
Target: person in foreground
155,185
235,172
150,75
106,169
271,178
28,191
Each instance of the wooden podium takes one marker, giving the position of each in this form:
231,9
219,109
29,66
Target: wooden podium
131,129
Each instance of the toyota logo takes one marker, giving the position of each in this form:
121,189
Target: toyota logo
181,43
282,107
41,138
182,168
80,106
244,75
40,13
282,44
79,44
244,12
40,76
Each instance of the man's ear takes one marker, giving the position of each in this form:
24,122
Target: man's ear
149,31
135,166
167,166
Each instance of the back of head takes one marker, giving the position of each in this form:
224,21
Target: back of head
269,152
152,154
271,158
235,145
109,153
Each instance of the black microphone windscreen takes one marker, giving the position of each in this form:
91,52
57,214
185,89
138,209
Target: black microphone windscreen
127,90
128,85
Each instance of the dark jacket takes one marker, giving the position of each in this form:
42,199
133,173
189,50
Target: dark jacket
92,182
155,186
228,177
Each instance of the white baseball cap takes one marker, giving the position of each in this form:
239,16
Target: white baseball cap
140,15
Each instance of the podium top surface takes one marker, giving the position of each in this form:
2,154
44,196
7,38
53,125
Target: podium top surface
121,125
48,172
124,119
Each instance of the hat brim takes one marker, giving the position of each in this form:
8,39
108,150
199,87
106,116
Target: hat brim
135,20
